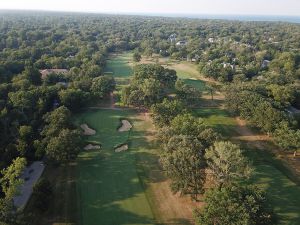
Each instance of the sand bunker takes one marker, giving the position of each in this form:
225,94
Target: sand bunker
126,126
92,147
87,131
122,148
193,78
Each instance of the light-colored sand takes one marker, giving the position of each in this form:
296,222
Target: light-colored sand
92,147
193,78
30,175
126,126
122,148
87,131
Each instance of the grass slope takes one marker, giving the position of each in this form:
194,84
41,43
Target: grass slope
109,187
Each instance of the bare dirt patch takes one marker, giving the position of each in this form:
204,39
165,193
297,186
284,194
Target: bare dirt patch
92,147
87,130
126,126
121,148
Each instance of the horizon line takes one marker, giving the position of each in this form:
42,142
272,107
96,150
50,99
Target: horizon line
149,13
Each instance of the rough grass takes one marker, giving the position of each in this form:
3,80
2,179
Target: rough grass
109,187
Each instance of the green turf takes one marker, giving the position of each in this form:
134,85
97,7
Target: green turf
109,188
219,119
269,173
185,76
118,66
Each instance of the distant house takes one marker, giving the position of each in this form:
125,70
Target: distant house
225,65
211,40
181,43
265,64
46,72
172,38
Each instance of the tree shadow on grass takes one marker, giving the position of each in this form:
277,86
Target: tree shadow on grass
283,194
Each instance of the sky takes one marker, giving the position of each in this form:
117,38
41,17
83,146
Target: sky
214,7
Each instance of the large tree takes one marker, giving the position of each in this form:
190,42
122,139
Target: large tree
65,146
226,162
102,86
183,161
235,205
163,113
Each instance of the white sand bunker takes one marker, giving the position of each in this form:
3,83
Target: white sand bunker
122,148
92,147
193,78
126,126
87,131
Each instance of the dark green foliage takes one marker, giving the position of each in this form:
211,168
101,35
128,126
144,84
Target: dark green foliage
235,205
102,86
165,112
148,86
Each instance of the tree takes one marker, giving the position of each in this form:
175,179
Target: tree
74,99
186,124
33,75
287,138
11,180
164,112
166,77
137,57
187,93
226,163
102,86
235,205
25,140
65,146
56,120
183,161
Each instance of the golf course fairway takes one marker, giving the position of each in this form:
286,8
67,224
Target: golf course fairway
109,188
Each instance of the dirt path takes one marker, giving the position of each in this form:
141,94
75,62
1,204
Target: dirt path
246,134
264,142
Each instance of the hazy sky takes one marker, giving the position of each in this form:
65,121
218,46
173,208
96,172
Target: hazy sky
251,7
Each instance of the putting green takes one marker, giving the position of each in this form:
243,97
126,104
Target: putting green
109,188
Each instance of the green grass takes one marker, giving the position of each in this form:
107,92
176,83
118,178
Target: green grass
118,66
185,76
273,176
218,119
269,173
109,187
